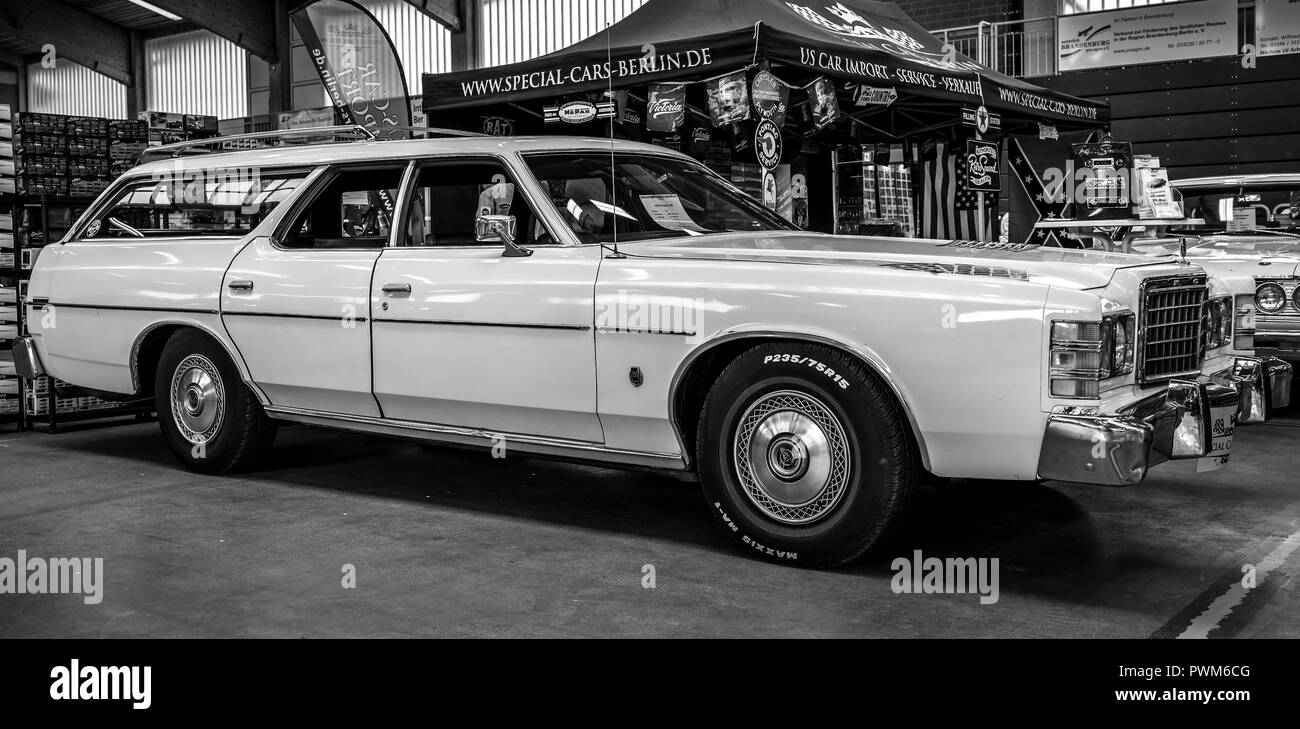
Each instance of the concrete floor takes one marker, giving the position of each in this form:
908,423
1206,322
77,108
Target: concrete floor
453,543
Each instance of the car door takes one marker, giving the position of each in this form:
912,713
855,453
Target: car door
297,305
465,336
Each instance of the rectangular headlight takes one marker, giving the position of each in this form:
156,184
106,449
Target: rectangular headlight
1243,322
1120,348
1074,332
1078,358
1220,316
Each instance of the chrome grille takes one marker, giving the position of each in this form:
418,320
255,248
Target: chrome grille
1171,338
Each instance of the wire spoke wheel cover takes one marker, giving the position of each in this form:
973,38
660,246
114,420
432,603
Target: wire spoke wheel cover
198,399
792,457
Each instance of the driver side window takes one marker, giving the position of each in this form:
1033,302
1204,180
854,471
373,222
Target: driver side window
449,197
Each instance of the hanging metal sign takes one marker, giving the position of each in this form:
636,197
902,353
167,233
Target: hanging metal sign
767,144
579,112
981,118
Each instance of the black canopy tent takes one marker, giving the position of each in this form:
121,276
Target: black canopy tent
852,41
860,45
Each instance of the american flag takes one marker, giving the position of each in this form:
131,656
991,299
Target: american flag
947,207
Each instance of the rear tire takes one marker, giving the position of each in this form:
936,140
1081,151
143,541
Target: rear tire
210,419
804,457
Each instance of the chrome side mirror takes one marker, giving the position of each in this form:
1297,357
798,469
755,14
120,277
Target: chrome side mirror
499,229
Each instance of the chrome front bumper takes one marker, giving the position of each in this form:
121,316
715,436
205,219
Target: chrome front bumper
1276,339
1176,423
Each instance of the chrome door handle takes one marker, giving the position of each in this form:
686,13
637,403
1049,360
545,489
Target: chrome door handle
240,284
397,288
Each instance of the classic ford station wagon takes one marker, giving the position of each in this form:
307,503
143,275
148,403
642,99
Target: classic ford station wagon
620,303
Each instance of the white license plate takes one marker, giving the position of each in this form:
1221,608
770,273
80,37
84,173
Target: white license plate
1223,421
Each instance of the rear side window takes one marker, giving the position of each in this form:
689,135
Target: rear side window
354,208
195,202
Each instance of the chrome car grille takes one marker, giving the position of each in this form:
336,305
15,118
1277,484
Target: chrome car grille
1170,337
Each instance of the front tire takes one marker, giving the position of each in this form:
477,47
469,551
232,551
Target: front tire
804,457
210,419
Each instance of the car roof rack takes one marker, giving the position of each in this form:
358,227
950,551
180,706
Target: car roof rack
436,131
258,140
279,137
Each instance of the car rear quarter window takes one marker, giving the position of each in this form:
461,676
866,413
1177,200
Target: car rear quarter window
194,202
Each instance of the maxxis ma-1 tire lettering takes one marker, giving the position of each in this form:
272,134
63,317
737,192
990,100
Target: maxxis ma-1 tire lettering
804,456
210,419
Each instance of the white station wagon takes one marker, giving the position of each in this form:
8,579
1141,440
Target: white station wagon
620,303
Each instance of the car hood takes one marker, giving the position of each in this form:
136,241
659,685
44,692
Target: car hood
1062,267
1224,262
1247,265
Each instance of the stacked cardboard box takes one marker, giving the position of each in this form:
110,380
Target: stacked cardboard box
6,202
39,140
127,140
61,155
9,300
6,151
10,387
169,128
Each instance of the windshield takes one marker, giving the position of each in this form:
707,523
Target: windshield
650,197
1243,210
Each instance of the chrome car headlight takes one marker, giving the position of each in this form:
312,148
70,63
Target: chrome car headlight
1218,322
1270,298
1083,353
1244,322
1295,297
1119,332
1076,359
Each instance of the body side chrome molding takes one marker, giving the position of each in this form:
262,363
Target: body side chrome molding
458,323
454,435
690,359
324,317
117,307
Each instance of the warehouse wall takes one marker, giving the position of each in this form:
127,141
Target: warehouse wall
940,14
70,88
423,44
517,30
1203,117
196,73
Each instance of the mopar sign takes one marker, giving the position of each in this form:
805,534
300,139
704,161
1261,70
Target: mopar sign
579,112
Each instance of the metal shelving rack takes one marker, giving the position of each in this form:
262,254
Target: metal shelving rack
13,276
